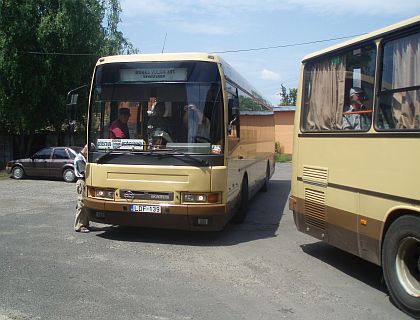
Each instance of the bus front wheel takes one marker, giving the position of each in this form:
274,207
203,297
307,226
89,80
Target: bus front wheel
264,187
401,263
243,203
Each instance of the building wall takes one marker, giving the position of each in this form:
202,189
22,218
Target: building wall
284,130
283,127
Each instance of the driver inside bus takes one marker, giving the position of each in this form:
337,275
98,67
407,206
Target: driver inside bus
196,124
119,128
160,125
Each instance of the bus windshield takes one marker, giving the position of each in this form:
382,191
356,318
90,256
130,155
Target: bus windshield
157,106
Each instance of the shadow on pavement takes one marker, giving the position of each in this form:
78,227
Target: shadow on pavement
264,215
351,265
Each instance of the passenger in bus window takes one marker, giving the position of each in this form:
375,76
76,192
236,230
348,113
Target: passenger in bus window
119,128
357,116
196,123
160,123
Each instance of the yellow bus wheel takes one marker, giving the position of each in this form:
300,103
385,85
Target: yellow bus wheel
264,187
243,203
401,263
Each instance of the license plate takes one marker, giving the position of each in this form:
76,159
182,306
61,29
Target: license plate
145,208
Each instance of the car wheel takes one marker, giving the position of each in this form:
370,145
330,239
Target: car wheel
68,175
18,173
401,263
243,204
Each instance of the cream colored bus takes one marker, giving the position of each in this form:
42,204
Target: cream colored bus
177,141
356,160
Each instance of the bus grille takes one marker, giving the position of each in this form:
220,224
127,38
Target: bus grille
315,208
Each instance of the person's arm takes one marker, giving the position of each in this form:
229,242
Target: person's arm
116,133
79,166
346,123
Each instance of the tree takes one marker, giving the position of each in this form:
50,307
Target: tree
115,43
34,76
287,98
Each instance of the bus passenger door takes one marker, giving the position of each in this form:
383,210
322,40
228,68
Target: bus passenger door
234,155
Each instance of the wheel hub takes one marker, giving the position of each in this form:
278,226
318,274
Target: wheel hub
408,265
418,265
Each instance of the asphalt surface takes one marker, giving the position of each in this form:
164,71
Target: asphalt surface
262,269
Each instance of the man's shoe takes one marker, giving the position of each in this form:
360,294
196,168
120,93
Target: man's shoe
83,230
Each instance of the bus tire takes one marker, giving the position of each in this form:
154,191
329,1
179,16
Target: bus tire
18,172
401,263
243,203
264,187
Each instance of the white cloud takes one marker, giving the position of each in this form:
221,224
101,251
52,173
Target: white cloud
141,8
223,17
223,7
202,27
360,7
269,75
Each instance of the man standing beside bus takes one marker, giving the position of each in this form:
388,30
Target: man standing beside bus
357,117
81,223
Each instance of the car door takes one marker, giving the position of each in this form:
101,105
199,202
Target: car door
60,157
39,165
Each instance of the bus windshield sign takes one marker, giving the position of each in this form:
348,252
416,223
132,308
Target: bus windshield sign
153,74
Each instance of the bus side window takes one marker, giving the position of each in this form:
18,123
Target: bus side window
339,91
399,96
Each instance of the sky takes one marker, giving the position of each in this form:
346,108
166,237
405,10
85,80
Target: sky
223,25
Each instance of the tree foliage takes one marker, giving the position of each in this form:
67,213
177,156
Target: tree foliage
287,97
34,74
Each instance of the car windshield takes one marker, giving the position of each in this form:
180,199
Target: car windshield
157,106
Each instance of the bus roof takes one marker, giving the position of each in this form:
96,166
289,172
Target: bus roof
190,56
195,56
371,35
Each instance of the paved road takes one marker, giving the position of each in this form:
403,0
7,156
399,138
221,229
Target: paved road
263,269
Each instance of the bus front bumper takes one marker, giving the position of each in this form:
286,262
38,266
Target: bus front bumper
180,217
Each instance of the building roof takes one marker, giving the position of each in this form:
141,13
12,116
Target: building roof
284,108
257,113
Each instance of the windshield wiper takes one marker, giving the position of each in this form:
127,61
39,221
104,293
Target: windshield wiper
159,152
174,153
118,150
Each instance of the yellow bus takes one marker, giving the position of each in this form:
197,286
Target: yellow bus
178,141
356,175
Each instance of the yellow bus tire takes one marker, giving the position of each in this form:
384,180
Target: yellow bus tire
264,187
240,214
401,263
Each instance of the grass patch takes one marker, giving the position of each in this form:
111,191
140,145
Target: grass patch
282,157
4,174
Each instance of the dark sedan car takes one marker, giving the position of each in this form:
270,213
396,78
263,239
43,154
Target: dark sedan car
54,162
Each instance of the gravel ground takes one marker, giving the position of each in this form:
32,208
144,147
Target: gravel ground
262,269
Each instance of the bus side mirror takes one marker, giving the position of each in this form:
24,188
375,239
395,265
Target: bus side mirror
72,107
232,123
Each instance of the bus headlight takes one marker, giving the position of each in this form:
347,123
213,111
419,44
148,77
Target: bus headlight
200,197
102,193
